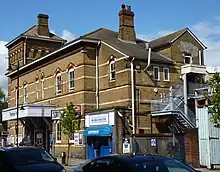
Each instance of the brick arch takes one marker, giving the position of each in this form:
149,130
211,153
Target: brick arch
111,58
42,76
58,70
70,66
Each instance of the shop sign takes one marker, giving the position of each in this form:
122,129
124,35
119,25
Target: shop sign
101,119
76,138
153,142
56,114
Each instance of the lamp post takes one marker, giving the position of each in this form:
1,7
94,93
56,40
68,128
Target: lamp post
17,99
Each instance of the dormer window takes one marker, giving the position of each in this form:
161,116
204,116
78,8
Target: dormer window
112,71
58,83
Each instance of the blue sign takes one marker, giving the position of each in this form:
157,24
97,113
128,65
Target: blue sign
153,142
98,131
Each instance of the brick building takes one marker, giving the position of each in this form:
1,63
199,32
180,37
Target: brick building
109,75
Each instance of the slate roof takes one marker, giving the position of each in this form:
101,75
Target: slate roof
32,33
166,39
131,49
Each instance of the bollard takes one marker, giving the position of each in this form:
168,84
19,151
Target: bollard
63,155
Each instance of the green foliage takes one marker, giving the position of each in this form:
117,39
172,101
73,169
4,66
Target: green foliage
70,120
213,100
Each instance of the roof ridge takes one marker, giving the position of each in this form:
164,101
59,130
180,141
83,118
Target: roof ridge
94,31
28,29
183,30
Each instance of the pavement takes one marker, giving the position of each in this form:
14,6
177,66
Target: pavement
74,163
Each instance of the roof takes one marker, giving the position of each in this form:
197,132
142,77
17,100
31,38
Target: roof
19,148
32,33
133,49
170,38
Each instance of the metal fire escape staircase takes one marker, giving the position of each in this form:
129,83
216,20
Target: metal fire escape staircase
173,104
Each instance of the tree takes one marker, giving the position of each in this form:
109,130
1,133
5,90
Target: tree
3,102
213,100
70,122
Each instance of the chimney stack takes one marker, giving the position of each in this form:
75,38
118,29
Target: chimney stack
126,24
43,28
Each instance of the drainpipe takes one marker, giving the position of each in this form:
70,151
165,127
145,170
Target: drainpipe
185,93
25,50
133,105
148,59
97,75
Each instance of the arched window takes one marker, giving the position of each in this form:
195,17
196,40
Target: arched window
71,79
36,89
112,71
58,83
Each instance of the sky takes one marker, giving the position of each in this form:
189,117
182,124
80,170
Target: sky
70,19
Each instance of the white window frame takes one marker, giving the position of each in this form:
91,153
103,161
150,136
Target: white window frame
42,88
71,79
168,74
37,89
25,94
58,75
156,67
191,60
112,62
57,140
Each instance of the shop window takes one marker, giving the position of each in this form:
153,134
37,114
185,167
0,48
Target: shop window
58,132
58,83
156,73
25,94
112,71
71,79
166,74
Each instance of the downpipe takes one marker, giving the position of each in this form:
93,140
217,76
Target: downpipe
97,74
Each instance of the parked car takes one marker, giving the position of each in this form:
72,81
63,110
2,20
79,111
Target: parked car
134,164
28,159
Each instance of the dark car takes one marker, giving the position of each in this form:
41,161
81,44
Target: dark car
25,159
134,164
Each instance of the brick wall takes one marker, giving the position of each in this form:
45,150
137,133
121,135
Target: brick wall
192,147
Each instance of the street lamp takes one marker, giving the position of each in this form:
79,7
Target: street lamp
17,94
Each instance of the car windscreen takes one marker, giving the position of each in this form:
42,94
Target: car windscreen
168,165
29,156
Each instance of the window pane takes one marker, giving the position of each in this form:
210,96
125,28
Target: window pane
187,60
71,79
112,75
166,74
156,73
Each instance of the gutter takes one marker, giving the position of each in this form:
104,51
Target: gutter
133,104
148,59
54,52
97,74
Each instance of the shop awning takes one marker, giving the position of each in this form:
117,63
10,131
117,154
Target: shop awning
98,131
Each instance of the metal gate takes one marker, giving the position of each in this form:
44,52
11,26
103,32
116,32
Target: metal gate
164,146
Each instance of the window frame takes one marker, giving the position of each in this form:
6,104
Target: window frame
58,132
25,94
156,67
112,62
191,60
168,74
42,89
37,89
58,75
71,70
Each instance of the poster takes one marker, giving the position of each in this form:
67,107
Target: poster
76,138
126,146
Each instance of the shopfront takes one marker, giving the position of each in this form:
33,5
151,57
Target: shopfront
100,134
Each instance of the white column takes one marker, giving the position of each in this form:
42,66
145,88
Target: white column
185,93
